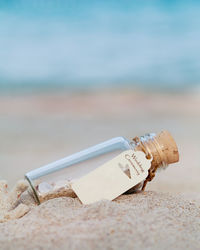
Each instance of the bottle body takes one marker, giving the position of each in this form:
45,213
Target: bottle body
56,176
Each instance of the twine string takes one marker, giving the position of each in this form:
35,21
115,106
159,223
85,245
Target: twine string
151,171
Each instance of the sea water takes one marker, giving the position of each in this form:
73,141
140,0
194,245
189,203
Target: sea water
86,44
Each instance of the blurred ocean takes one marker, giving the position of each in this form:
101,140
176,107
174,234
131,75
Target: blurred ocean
80,44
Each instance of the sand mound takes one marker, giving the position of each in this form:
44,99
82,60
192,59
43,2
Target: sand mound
138,221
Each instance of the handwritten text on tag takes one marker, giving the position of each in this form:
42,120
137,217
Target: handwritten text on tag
109,180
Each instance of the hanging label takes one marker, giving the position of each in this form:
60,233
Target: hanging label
112,178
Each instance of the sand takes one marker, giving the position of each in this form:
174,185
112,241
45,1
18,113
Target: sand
38,129
41,128
147,220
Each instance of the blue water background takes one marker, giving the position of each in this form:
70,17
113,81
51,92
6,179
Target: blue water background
88,44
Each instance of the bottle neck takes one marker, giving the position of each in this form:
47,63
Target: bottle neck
150,145
160,147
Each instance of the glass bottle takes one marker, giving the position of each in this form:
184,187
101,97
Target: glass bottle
53,180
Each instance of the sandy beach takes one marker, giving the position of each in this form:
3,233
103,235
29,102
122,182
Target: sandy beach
143,221
40,128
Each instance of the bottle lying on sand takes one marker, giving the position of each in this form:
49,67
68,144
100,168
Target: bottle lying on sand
56,179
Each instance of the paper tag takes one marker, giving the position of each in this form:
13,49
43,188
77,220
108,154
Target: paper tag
109,180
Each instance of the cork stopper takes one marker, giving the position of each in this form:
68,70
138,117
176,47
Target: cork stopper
168,147
162,147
